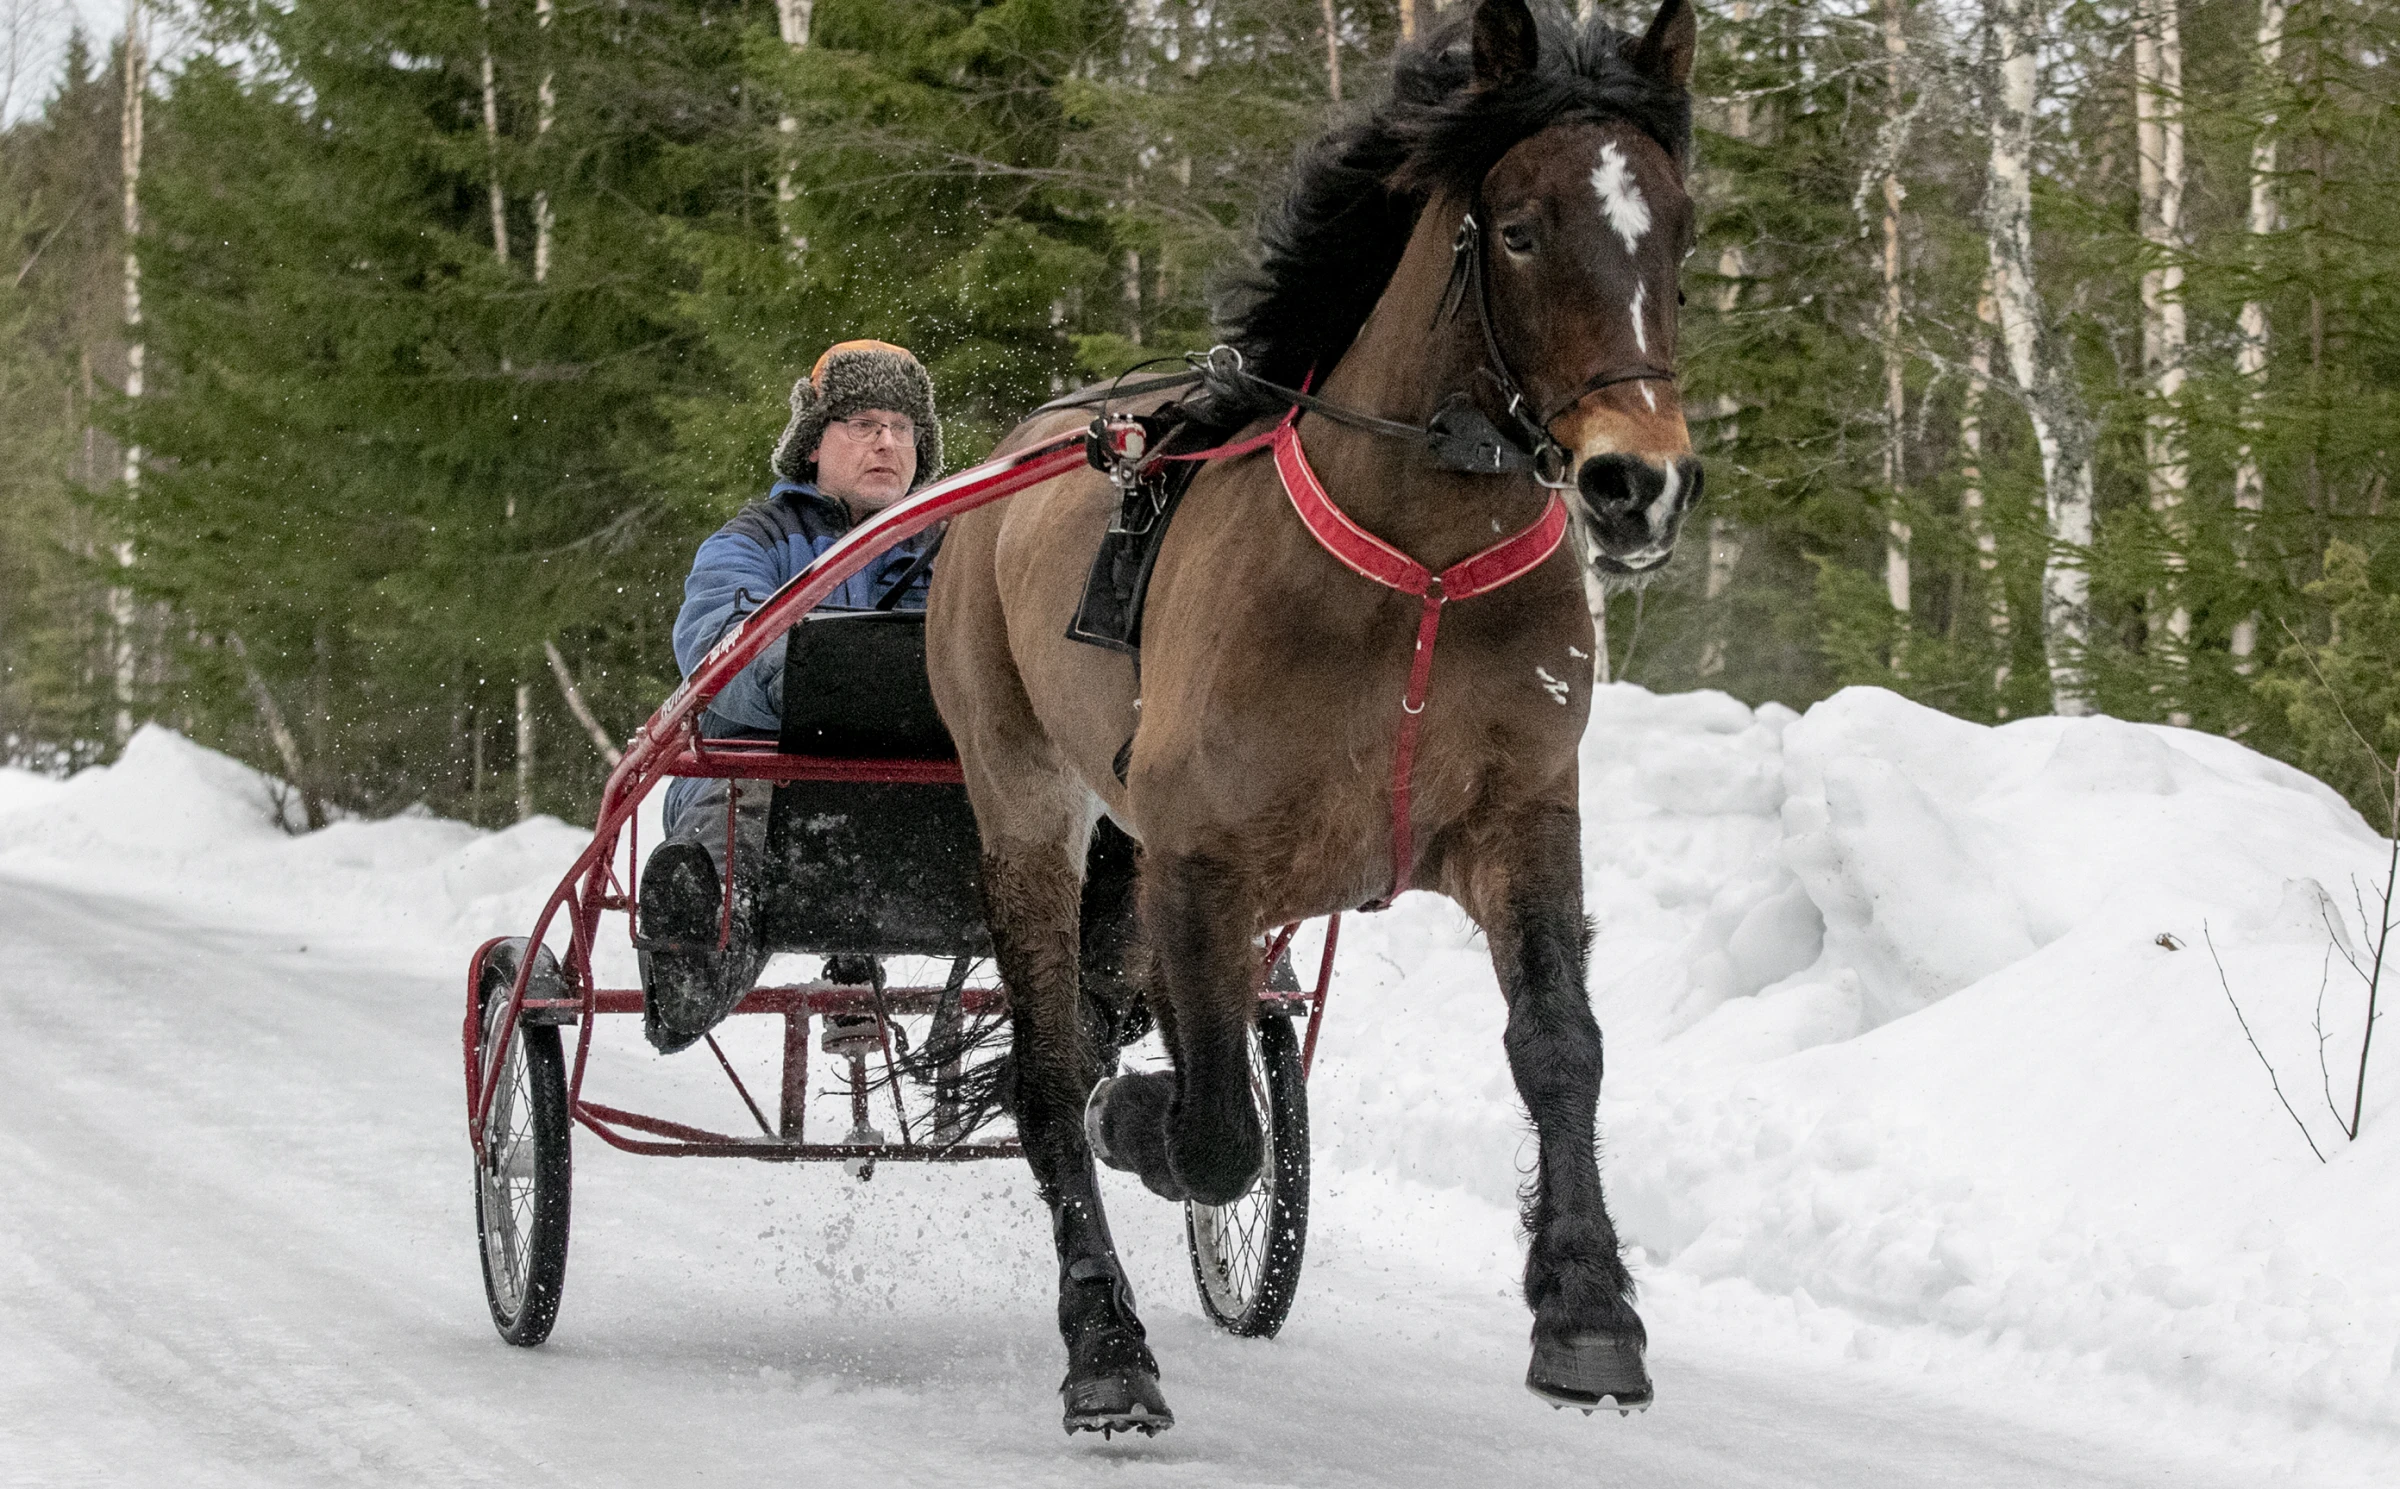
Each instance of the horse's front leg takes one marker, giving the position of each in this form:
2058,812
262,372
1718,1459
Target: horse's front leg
1201,923
1030,897
1527,893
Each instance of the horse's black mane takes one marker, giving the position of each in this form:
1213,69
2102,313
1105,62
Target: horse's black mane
1327,251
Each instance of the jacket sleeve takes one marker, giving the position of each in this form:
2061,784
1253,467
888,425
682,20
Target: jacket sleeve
731,576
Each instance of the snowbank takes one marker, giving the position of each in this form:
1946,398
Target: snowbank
22,788
1916,1039
172,819
1914,1024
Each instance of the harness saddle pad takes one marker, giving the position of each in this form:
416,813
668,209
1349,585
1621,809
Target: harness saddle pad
1119,583
869,866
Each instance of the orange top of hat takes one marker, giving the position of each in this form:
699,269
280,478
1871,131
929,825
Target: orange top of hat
816,374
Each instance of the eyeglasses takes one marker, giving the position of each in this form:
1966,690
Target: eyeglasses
864,429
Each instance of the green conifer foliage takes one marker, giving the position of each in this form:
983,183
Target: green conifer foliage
395,461
385,455
2341,696
60,293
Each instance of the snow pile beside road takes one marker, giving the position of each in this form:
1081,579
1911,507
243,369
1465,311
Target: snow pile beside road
1916,1043
1913,1025
173,820
22,788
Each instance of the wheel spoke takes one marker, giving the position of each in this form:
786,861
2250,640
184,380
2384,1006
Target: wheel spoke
1234,1244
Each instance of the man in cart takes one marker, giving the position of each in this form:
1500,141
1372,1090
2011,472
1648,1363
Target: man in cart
863,434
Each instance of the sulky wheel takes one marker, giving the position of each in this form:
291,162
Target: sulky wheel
1246,1255
523,1178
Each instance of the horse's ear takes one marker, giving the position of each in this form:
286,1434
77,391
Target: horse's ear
1506,44
1666,51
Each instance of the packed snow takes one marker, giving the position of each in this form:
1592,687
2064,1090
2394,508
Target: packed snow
1938,1145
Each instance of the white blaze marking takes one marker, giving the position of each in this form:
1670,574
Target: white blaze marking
1662,509
1650,398
1557,690
1620,198
1641,333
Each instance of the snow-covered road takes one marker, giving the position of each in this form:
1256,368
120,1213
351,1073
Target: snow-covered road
240,1251
236,1242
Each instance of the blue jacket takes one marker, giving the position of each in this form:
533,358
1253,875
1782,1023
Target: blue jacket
749,559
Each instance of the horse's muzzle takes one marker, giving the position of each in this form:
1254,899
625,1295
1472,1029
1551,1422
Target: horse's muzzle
1633,508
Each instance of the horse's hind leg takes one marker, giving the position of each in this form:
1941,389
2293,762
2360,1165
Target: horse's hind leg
1031,886
1526,890
1115,1010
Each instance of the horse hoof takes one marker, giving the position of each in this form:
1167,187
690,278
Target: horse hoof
1120,1401
1125,1126
1589,1371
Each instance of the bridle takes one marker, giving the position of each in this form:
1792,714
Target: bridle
1459,435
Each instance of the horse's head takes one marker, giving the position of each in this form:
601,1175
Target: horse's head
1588,225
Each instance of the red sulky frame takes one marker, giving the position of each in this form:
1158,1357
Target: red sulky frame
669,745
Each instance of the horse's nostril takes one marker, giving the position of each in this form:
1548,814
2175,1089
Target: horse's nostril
1617,483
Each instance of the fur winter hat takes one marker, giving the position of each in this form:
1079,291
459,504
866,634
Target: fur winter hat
853,376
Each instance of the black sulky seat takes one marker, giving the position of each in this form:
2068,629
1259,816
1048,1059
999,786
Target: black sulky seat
861,865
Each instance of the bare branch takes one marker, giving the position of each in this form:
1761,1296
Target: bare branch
47,239
2223,982
2325,1071
286,744
2383,936
576,705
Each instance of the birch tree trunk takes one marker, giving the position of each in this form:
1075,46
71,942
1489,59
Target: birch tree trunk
279,730
1897,535
491,139
544,119
1979,523
1724,538
121,611
1130,273
2158,131
1724,557
2249,487
2061,427
791,22
524,751
1333,51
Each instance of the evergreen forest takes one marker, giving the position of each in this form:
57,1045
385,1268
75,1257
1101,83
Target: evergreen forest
370,371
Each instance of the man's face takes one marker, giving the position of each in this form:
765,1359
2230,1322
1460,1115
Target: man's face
867,459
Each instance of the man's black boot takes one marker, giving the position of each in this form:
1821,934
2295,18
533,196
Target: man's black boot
682,899
682,906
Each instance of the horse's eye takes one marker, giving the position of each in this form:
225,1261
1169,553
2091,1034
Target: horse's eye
1518,237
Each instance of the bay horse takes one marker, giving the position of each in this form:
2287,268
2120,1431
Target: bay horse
1507,225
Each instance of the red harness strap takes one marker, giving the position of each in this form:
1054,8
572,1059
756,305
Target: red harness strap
1364,553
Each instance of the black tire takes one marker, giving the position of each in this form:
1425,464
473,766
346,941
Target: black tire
523,1181
1246,1255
